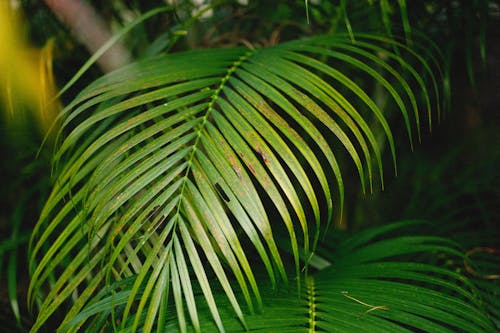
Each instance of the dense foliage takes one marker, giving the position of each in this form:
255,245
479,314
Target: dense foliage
224,179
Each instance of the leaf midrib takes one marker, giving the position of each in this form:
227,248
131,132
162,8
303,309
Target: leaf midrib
210,108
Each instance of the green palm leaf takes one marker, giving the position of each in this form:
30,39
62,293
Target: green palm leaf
373,287
175,168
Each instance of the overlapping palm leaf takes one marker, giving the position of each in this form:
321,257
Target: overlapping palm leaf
174,169
372,285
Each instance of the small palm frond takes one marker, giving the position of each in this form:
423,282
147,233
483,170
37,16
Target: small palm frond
173,169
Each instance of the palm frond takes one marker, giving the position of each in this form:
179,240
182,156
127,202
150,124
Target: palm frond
172,168
371,286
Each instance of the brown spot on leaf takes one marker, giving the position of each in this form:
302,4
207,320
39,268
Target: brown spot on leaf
237,169
263,155
250,167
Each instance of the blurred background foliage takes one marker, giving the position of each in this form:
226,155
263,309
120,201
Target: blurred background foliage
450,177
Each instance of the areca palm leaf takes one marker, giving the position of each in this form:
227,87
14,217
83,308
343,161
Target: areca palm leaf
371,286
179,165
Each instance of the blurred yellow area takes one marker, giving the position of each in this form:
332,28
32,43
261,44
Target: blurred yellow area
27,87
